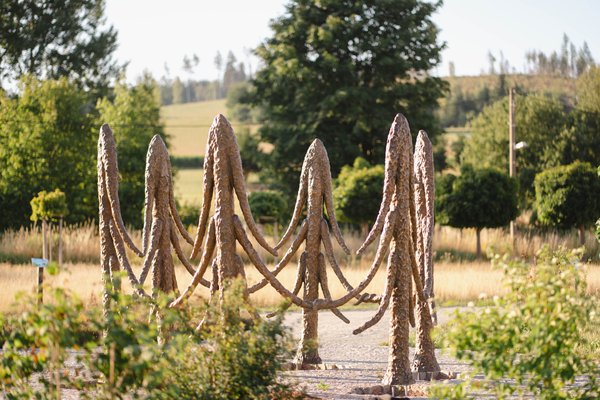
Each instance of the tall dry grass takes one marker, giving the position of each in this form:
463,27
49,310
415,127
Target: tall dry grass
457,277
81,244
455,283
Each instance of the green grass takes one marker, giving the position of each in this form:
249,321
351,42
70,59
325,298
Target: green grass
188,186
187,125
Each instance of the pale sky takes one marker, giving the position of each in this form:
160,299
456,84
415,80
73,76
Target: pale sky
153,32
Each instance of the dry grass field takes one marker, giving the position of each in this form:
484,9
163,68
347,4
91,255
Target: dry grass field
455,282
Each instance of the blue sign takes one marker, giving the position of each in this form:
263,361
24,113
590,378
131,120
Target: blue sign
39,262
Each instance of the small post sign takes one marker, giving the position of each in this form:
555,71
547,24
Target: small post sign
40,263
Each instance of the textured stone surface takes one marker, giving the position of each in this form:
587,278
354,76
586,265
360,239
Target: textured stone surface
223,177
113,235
162,223
315,193
424,197
394,221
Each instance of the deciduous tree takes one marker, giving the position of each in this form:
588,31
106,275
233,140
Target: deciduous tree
358,193
339,71
539,121
53,39
477,198
46,141
568,196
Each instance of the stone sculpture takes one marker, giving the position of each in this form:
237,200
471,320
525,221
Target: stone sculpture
161,222
113,235
394,221
315,192
223,176
424,197
394,224
404,224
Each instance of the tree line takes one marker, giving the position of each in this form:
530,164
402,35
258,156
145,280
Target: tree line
463,103
186,90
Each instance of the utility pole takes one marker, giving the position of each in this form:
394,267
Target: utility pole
511,150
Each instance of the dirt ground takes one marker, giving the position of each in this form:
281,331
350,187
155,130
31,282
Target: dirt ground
361,359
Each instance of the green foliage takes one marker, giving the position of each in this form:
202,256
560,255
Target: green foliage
187,162
49,206
554,137
443,189
477,198
134,116
239,362
527,343
38,341
588,90
268,206
189,214
357,194
46,141
50,40
252,156
237,108
339,71
440,162
568,196
229,359
539,121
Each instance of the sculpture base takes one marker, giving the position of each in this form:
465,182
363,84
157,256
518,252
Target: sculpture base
293,366
406,391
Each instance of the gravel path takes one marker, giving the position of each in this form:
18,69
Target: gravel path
362,358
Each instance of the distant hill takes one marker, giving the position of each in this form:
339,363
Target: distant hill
550,84
470,94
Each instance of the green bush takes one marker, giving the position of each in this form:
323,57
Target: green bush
189,214
477,198
49,206
268,206
235,360
533,339
568,196
187,162
47,142
230,359
358,193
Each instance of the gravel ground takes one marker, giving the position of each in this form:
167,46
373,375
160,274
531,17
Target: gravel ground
361,359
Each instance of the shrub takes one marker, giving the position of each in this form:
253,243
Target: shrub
47,142
231,359
530,340
358,192
268,206
189,214
235,360
478,198
568,196
49,206
187,162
